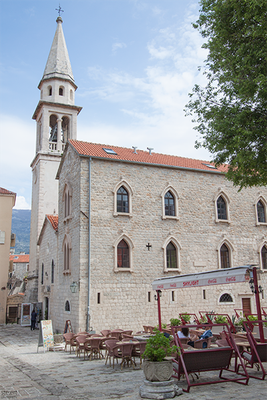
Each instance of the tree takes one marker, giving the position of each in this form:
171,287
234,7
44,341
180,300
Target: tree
231,112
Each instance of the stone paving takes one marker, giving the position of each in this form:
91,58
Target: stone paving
26,374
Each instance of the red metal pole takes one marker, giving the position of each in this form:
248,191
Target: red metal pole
258,303
159,312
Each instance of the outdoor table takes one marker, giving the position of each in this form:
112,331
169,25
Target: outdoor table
142,338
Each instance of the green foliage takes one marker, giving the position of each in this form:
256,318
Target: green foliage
203,320
231,111
252,317
220,319
158,347
163,326
175,321
239,321
186,317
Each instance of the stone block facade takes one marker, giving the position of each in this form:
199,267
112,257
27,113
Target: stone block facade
124,298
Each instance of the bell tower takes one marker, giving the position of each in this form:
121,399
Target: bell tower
56,122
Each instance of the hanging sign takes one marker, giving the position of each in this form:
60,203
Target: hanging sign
46,337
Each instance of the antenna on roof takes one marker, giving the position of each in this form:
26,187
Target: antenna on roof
134,147
150,149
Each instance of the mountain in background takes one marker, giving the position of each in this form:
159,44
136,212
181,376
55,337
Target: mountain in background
21,226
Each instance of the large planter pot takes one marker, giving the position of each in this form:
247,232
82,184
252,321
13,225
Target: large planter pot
158,371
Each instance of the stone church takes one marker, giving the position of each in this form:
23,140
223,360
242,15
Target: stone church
107,221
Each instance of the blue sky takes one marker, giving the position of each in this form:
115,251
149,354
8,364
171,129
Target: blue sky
134,62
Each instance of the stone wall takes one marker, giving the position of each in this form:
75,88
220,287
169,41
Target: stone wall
121,299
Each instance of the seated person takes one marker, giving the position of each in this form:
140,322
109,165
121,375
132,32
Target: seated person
184,333
205,335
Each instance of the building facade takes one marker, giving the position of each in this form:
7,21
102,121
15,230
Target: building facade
7,202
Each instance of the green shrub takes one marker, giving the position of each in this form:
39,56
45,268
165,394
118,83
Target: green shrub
158,347
175,321
220,319
186,317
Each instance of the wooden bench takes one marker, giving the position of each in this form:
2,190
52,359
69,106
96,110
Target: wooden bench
209,359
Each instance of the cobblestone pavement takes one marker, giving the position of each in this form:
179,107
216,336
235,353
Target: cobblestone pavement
26,374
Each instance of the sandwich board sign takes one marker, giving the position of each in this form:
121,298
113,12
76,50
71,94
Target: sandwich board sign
46,337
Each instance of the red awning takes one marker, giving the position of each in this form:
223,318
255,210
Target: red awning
207,278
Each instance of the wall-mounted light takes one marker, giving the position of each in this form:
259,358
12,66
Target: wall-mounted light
74,287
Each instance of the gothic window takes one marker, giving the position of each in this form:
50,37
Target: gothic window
225,256
65,129
169,202
66,255
226,298
67,306
71,94
122,200
52,271
123,255
67,202
261,211
171,256
264,257
49,90
61,91
221,208
42,274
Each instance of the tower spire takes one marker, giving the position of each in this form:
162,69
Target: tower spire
58,63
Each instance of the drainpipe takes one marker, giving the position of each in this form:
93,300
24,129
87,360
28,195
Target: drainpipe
89,246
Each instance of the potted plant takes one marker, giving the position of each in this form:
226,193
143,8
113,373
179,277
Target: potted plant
186,317
220,319
156,367
175,321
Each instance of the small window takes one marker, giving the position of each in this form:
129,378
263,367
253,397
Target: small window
67,306
149,297
225,256
52,271
221,208
204,294
49,90
122,200
123,255
172,295
42,274
169,204
264,257
98,298
261,211
66,255
109,151
61,91
71,94
2,237
226,298
171,256
67,203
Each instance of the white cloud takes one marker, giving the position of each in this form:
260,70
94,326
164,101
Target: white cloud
117,45
21,204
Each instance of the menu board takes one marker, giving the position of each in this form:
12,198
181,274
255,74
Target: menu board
25,314
46,337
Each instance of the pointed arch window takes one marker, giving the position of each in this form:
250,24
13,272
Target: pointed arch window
66,255
225,256
169,202
122,200
264,257
67,306
221,208
67,198
261,211
171,256
123,255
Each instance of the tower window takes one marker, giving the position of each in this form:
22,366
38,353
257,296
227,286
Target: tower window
61,91
49,90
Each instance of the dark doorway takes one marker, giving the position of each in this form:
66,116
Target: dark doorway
246,305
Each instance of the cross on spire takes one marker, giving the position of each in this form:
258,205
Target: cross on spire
59,10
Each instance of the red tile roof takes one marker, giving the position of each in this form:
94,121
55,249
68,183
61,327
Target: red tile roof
53,220
19,258
5,191
142,157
